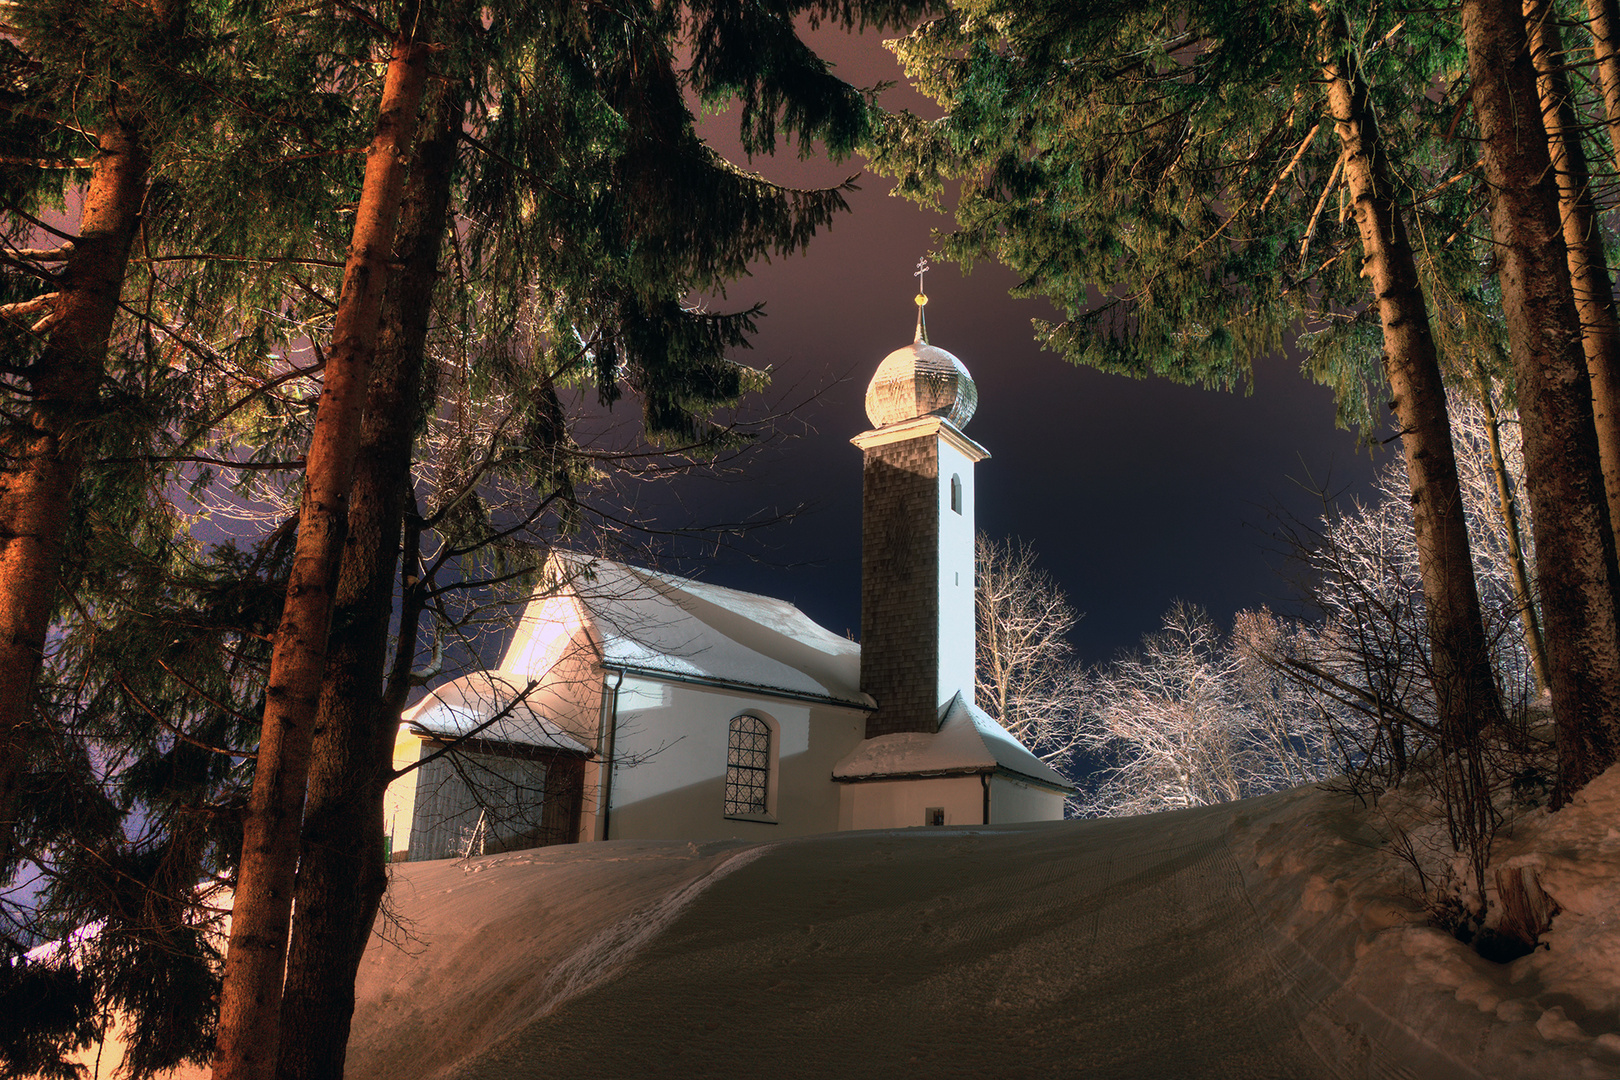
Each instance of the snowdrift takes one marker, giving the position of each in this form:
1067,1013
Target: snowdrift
1270,938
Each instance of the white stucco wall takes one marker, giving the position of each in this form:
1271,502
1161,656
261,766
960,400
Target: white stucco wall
669,783
1012,801
400,797
900,804
956,619
549,629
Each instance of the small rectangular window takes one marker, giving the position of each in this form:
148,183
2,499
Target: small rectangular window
934,815
956,493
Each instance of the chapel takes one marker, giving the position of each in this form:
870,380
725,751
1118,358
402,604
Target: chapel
633,704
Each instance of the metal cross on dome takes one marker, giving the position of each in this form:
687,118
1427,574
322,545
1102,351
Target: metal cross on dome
922,299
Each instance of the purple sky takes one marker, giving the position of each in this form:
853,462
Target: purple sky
1134,493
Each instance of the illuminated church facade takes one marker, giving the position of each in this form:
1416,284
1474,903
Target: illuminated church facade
633,704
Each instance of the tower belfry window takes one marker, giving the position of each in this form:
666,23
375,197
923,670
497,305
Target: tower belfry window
956,492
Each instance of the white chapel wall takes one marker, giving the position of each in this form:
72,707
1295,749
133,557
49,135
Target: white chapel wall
901,804
399,801
1012,800
956,625
671,745
545,632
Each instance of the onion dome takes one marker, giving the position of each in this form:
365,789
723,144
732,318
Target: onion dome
921,380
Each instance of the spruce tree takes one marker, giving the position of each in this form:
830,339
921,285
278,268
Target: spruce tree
1575,547
1464,686
203,114
1166,177
342,875
1603,20
261,912
577,128
71,323
1589,275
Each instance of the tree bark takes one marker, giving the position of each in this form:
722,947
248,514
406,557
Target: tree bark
1464,685
250,1001
1604,20
1575,548
1508,506
1588,266
342,876
40,463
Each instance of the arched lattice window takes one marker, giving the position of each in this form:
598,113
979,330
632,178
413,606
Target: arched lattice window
748,765
956,492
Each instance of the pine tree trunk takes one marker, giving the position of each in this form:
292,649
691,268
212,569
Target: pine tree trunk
1588,266
1508,507
1575,552
341,876
1604,16
250,1001
1464,685
40,464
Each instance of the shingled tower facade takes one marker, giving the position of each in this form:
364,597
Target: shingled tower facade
917,619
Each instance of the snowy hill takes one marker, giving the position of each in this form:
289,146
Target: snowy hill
1271,938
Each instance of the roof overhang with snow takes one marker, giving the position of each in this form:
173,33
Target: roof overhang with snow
484,707
918,428
673,628
968,743
647,672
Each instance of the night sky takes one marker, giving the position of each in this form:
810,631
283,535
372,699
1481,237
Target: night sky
1134,493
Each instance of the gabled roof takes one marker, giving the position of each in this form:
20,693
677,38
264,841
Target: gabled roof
662,625
968,741
461,705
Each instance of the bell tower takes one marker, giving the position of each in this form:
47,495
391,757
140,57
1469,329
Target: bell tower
917,616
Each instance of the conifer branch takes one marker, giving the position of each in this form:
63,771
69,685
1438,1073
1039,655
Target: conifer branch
366,18
521,698
464,584
262,260
1462,106
38,224
257,392
1292,162
33,306
163,722
195,689
42,255
309,290
224,463
528,174
1310,228
500,534
46,163
196,348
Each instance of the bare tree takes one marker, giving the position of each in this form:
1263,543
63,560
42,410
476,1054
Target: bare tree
1365,573
1189,720
1026,673
1363,671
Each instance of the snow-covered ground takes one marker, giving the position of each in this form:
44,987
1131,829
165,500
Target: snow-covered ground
1270,938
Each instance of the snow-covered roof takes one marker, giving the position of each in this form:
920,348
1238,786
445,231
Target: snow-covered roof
968,741
660,624
461,705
